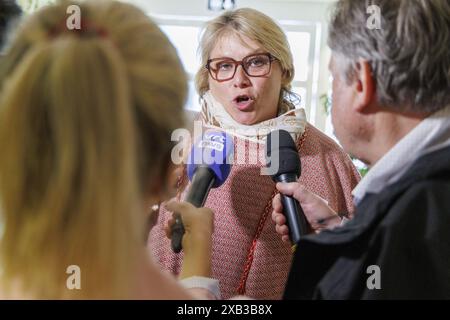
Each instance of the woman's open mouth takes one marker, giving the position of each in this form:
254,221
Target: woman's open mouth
243,102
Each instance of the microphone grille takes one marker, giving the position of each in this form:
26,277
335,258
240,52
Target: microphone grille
281,147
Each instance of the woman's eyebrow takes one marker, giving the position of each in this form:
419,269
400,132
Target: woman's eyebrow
256,51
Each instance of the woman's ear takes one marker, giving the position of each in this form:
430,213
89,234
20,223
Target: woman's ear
173,176
286,78
160,189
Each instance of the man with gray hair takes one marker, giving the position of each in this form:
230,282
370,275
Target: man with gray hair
391,109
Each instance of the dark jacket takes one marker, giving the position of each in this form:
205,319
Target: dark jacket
404,230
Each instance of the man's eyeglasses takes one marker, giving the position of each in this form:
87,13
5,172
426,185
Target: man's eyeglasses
255,65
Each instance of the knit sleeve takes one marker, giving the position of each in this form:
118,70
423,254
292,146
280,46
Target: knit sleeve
328,171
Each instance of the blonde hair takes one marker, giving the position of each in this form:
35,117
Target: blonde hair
254,25
85,123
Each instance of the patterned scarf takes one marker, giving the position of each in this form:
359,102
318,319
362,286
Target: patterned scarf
289,118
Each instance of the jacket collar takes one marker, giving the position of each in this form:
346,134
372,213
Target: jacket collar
374,206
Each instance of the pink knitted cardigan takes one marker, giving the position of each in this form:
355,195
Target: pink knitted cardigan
257,261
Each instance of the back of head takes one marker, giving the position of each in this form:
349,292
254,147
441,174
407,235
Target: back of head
85,123
9,11
254,25
409,51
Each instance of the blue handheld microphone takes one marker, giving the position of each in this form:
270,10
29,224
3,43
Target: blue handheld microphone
208,166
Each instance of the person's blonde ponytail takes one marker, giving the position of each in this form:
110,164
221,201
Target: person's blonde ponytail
84,127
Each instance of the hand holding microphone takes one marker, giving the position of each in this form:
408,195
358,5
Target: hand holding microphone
198,226
209,165
284,162
288,215
319,215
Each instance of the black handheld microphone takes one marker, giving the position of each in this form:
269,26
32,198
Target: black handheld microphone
208,167
202,182
284,163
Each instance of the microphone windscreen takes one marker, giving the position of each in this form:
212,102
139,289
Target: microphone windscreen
214,150
281,147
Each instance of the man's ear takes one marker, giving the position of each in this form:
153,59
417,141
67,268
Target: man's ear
365,87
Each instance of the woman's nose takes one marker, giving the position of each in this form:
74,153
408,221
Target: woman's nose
241,79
